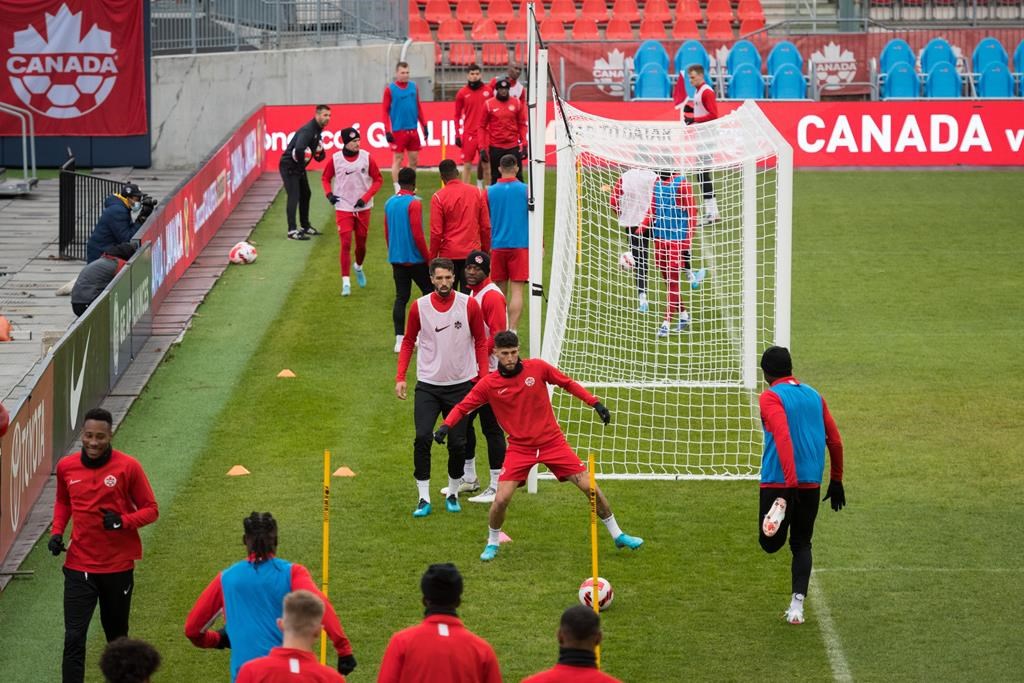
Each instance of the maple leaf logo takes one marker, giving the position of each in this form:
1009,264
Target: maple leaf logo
834,65
611,72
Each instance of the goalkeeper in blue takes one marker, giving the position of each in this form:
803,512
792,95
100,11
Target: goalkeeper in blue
798,428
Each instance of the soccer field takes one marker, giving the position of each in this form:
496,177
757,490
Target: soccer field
907,315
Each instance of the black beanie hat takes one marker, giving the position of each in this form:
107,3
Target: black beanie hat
479,259
348,135
442,585
776,362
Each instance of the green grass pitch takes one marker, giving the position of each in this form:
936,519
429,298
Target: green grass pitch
907,315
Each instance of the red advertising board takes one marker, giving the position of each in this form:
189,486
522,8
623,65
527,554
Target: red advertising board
192,215
25,458
78,65
822,134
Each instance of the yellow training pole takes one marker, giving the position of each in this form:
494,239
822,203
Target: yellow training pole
593,545
327,538
444,141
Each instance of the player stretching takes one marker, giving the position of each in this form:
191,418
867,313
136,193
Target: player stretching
402,112
350,181
518,395
631,201
470,104
673,221
797,429
700,107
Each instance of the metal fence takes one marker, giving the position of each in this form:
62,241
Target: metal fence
191,26
81,203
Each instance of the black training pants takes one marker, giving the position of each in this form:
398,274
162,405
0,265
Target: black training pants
799,524
405,274
495,154
492,433
296,186
459,285
430,401
639,246
82,590
706,187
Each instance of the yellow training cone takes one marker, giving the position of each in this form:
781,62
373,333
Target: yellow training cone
286,373
344,472
237,471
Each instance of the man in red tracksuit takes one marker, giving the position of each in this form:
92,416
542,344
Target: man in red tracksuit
579,634
459,221
503,129
440,649
107,497
470,105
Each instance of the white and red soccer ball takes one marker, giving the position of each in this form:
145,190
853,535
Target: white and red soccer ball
626,261
605,594
242,253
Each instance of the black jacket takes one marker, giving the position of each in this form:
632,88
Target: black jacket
307,137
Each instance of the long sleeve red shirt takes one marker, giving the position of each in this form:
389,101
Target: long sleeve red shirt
412,330
470,106
503,124
376,179
386,104
494,308
83,493
439,650
521,403
708,99
287,665
415,226
459,221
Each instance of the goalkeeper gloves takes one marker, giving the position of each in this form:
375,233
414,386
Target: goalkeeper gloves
360,203
458,142
332,198
112,520
390,137
606,415
346,664
687,113
441,432
56,545
836,494
319,154
224,642
483,156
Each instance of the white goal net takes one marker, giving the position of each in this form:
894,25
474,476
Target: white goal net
681,377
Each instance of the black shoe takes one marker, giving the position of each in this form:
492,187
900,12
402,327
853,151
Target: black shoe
297,235
311,231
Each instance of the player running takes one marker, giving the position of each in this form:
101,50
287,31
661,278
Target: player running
402,113
470,105
673,220
518,395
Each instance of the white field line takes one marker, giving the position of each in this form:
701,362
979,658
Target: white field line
829,633
938,570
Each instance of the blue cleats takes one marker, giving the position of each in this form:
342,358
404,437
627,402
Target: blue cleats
422,509
662,330
684,322
491,551
696,277
625,541
361,277
451,503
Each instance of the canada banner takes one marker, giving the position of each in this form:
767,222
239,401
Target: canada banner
77,65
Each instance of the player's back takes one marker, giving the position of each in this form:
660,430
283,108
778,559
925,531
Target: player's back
805,418
439,650
563,673
288,665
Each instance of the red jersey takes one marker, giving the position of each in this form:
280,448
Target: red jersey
503,124
470,106
564,673
439,650
521,403
120,485
493,306
287,665
517,89
412,330
459,221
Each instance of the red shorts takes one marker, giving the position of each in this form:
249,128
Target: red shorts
559,458
510,264
470,148
671,256
406,141
349,221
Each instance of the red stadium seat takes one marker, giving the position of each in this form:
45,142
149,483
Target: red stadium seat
750,25
750,9
451,29
484,29
495,54
516,28
419,29
437,11
657,10
689,10
627,10
685,29
552,29
652,29
596,10
501,11
563,10
618,29
460,53
719,29
469,12
585,29
719,9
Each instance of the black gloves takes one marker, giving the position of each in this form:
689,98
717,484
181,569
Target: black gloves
224,641
458,142
56,545
483,156
346,664
390,137
837,494
319,154
441,432
360,203
332,198
605,414
112,520
687,113
524,153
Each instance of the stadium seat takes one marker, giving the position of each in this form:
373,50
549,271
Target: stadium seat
684,29
437,11
552,29
988,51
596,10
896,51
652,83
748,26
943,81
743,52
657,10
501,11
419,30
469,12
788,84
996,81
936,51
784,52
563,11
900,82
719,29
650,52
1018,58
618,29
750,9
515,30
585,29
460,53
652,29
719,9
746,83
691,52
689,10
491,53
484,29
626,9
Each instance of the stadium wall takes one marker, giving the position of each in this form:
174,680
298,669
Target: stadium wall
196,98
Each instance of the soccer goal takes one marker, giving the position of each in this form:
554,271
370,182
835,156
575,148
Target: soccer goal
684,404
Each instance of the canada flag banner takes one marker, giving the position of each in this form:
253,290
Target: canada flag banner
77,65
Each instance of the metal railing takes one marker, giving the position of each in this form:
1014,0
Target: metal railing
192,26
81,203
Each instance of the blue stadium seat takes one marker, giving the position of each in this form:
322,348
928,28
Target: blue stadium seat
743,52
943,81
652,84
746,83
784,52
996,81
691,52
937,50
900,82
1018,58
788,84
650,52
988,51
895,51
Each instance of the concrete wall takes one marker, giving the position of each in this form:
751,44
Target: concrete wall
198,98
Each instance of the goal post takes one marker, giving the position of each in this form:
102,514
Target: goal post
683,402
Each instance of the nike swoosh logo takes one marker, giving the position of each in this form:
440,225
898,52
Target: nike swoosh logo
117,525
76,387
502,391
127,590
350,172
438,329
74,481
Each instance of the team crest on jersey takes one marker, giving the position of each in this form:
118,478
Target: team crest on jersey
458,324
511,108
530,381
110,481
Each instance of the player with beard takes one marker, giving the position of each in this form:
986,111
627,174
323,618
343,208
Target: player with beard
449,327
516,88
470,104
518,395
350,181
503,129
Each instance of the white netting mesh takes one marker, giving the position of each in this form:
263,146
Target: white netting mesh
684,403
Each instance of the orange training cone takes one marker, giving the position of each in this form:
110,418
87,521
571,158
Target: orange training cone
237,471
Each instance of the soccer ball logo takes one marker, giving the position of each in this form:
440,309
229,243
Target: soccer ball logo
65,74
834,65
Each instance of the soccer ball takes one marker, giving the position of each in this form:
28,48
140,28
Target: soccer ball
626,261
605,594
243,253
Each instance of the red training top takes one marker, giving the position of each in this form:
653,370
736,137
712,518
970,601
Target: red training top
565,673
503,124
521,403
438,650
412,330
459,222
287,665
120,485
471,104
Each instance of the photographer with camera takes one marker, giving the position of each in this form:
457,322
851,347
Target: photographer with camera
115,225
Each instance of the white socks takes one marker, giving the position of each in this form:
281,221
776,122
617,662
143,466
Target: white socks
469,473
346,281
494,479
424,488
357,266
453,487
612,526
493,536
397,188
643,298
710,206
